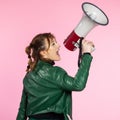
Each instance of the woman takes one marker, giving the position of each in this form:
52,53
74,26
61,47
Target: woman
47,88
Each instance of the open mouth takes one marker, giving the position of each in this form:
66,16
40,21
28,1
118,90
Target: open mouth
57,52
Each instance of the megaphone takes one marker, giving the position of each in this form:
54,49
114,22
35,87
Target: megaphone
92,16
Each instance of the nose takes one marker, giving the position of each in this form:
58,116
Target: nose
58,45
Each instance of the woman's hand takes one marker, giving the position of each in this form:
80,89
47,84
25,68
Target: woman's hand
87,46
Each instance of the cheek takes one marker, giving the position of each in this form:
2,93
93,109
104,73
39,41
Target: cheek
51,53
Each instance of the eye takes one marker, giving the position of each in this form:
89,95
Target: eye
53,43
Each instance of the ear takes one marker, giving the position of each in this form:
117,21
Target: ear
43,53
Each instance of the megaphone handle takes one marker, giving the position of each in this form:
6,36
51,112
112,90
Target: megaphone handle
80,51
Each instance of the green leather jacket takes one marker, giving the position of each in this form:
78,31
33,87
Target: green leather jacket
48,89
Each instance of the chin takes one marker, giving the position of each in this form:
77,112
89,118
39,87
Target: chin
57,59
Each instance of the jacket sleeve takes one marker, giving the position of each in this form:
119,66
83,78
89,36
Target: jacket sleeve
78,82
22,108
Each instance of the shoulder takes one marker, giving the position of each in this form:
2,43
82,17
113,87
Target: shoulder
51,72
57,68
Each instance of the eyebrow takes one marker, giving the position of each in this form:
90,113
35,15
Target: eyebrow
52,40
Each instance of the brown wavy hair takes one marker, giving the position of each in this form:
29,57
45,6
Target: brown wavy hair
33,50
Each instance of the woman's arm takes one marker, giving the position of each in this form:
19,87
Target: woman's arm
76,83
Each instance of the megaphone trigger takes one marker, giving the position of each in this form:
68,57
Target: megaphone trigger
78,43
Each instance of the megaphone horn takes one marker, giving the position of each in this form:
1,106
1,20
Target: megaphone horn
92,17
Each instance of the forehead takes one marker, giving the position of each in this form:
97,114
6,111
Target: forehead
52,40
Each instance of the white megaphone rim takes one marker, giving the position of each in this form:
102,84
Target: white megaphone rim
100,23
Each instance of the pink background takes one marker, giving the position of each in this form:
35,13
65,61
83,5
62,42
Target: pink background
20,20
